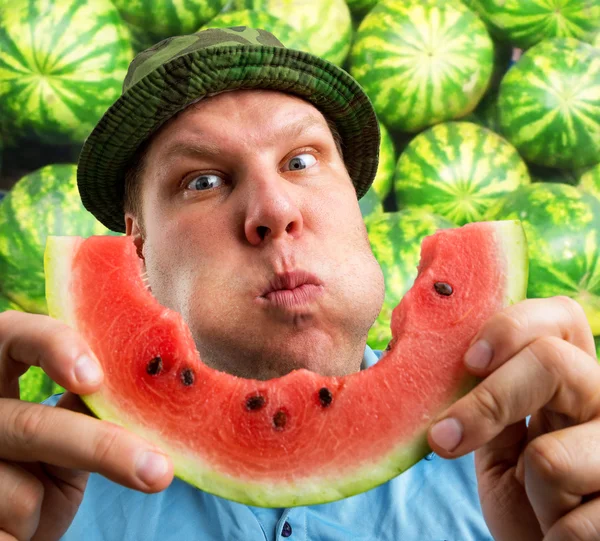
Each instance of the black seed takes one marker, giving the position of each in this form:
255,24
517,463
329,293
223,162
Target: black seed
255,402
187,377
325,397
279,420
155,366
443,288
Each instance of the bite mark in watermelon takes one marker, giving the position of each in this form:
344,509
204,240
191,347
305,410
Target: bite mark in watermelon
303,438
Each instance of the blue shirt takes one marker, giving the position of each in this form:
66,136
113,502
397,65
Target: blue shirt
435,500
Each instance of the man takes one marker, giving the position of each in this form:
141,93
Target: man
236,181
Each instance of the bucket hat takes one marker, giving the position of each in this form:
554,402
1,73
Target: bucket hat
180,70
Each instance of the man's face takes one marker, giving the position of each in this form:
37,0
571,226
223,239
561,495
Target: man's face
265,202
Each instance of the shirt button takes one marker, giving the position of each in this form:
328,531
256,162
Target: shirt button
287,530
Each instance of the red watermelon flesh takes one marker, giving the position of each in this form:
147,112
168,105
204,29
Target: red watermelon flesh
302,438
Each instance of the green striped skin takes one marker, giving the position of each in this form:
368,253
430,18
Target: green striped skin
370,204
458,170
527,22
494,31
486,113
359,8
562,225
290,37
154,20
382,183
597,343
596,41
549,104
395,239
62,64
7,304
45,202
326,24
36,386
589,181
422,62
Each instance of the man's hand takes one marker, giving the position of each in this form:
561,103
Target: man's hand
542,481
45,452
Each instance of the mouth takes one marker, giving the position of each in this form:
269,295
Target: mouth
291,289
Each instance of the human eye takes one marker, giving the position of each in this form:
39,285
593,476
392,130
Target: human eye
204,182
301,161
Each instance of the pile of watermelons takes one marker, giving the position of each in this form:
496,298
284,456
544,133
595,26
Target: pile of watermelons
489,109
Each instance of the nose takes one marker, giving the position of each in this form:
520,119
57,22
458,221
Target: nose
272,211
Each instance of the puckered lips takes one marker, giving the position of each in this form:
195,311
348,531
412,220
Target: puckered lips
292,289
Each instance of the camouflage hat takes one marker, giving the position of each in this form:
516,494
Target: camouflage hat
166,78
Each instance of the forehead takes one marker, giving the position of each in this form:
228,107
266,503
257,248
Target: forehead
250,118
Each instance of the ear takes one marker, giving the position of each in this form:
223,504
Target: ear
133,229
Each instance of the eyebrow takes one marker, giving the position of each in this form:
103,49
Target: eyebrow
199,149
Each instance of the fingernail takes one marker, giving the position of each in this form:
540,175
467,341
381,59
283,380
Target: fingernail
87,370
447,433
479,355
151,467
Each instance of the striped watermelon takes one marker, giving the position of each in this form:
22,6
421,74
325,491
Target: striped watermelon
370,204
562,225
486,112
422,62
589,181
458,170
549,104
7,304
527,22
36,386
596,41
597,343
288,35
382,183
326,24
154,20
41,203
395,239
62,64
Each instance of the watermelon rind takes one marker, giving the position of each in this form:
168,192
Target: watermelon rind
287,492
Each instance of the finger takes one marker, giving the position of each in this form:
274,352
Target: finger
560,468
21,495
37,433
581,524
549,373
509,331
37,340
7,537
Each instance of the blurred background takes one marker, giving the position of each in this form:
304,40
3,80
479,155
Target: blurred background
488,109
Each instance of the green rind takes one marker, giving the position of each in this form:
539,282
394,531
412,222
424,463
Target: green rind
589,181
61,66
549,104
458,170
154,20
422,62
310,491
326,25
527,22
384,179
45,202
562,225
395,239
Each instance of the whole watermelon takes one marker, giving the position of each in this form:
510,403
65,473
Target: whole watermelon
549,104
596,41
382,183
36,386
62,64
325,24
562,225
589,181
422,62
458,170
45,202
285,33
151,21
527,22
395,239
486,113
370,204
7,304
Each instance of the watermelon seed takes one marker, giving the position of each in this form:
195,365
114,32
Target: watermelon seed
187,377
443,288
254,403
279,420
155,366
325,397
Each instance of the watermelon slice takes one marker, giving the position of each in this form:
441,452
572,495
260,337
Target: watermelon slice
302,438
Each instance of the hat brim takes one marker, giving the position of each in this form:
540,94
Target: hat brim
171,87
